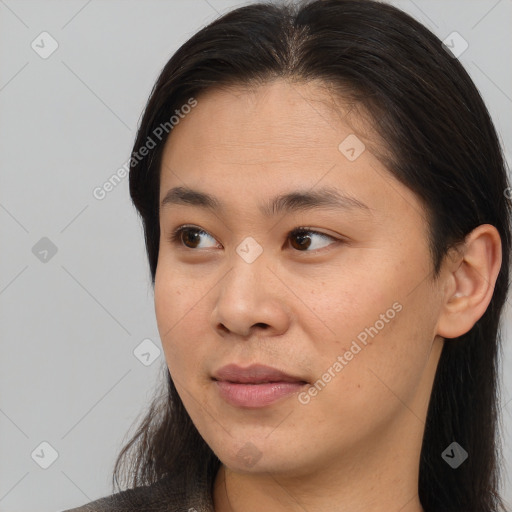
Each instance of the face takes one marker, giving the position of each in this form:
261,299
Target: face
339,296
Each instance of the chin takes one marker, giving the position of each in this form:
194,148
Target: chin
253,458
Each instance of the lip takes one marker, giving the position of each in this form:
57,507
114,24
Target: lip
256,385
254,374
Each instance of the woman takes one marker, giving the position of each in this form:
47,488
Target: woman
326,216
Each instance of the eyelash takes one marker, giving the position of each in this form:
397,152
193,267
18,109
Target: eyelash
175,236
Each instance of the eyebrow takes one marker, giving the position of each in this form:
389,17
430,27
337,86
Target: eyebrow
295,201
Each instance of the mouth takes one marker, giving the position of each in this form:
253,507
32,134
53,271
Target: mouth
255,386
254,374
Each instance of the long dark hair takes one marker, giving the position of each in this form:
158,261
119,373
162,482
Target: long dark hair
440,142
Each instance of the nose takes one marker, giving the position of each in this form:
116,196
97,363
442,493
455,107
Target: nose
251,298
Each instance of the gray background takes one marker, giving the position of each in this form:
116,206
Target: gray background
70,324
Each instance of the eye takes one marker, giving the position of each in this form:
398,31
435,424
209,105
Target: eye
304,237
190,237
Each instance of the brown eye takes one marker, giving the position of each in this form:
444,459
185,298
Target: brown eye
305,239
189,236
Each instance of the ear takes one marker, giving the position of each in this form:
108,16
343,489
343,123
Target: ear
470,282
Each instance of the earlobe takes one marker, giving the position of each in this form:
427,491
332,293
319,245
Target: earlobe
472,279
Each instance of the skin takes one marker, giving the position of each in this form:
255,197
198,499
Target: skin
356,444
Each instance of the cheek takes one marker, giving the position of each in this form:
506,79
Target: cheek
348,303
173,314
381,323
177,300
182,311
181,321
373,381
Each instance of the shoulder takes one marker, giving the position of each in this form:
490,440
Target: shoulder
129,500
167,495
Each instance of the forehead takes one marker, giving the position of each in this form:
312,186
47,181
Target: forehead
274,118
278,127
248,142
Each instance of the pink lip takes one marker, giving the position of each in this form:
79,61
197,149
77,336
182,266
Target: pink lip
256,395
256,385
